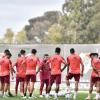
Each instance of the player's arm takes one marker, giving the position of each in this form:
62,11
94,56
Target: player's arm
38,68
82,70
13,65
68,68
94,68
68,65
65,64
11,69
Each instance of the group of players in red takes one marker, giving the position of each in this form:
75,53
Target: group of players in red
50,68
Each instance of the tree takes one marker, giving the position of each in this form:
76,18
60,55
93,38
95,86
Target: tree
54,34
9,36
21,37
39,25
83,17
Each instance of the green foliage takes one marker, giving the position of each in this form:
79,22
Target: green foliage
8,37
54,35
39,25
21,37
80,22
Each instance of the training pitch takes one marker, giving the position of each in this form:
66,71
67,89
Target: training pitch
81,96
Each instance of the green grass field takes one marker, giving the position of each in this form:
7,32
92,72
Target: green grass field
81,96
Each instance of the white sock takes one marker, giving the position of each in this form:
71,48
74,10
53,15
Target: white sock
56,94
21,94
5,93
97,95
75,93
47,95
1,93
68,89
89,95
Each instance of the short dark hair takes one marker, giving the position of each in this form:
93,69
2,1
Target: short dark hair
72,50
96,54
9,54
57,50
22,51
33,51
6,51
93,54
46,55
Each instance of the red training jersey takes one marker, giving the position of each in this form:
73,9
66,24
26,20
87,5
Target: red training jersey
31,64
5,65
55,64
44,71
96,64
20,66
74,61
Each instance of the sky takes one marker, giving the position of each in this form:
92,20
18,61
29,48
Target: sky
15,14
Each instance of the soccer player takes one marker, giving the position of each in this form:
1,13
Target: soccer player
31,64
95,77
1,56
44,74
92,55
21,70
55,62
74,61
17,79
5,68
4,53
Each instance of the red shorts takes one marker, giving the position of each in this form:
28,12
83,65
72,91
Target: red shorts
31,78
5,79
46,81
55,78
70,76
20,79
94,80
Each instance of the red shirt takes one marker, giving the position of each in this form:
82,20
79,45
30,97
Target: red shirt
44,71
55,62
74,61
5,64
96,64
20,66
31,64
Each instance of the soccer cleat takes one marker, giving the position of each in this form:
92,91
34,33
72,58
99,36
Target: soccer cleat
1,95
34,96
30,97
41,96
74,97
10,94
95,98
68,96
5,96
47,96
55,98
88,98
24,97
